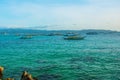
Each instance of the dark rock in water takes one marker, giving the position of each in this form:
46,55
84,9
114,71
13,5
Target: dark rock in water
49,77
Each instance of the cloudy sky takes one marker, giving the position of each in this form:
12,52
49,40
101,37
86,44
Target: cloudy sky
60,14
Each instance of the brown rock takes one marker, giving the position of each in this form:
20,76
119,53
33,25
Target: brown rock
1,72
10,79
27,76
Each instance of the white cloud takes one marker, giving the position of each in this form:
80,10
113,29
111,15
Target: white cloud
98,14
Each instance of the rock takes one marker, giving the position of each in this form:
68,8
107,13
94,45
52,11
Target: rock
10,79
1,72
27,76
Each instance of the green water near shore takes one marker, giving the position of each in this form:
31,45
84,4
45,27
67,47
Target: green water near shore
97,57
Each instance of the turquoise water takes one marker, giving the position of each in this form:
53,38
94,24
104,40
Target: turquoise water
97,57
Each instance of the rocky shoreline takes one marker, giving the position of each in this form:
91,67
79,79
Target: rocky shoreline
25,75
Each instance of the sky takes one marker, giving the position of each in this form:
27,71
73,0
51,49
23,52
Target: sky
60,14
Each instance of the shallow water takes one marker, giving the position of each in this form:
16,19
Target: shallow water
97,57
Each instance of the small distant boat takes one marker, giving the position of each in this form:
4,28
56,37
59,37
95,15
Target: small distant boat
91,33
54,34
74,38
4,33
26,37
70,34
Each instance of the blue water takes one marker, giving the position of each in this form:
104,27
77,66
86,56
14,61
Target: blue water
97,57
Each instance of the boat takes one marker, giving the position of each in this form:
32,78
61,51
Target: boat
74,38
26,37
91,33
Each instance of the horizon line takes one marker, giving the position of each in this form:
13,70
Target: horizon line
61,29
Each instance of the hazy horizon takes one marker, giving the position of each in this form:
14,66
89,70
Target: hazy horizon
60,15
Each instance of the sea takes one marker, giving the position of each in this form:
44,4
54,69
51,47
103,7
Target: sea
48,56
